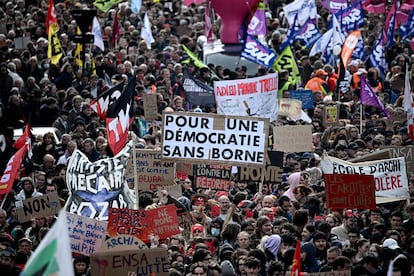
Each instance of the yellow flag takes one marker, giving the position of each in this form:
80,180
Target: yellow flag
93,66
54,49
105,5
197,62
78,51
286,61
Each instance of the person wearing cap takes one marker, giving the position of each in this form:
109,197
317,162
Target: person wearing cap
318,83
7,262
349,221
352,149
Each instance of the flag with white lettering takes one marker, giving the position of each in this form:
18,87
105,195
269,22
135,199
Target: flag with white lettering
12,170
335,5
351,18
406,30
291,34
389,27
51,16
257,25
359,51
197,92
303,8
308,33
102,103
96,187
377,56
257,52
368,97
119,117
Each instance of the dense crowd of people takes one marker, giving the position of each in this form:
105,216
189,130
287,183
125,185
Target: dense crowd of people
258,226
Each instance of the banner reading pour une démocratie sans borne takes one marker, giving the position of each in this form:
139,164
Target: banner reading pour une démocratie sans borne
390,174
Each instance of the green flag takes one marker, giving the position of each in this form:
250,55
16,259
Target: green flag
286,61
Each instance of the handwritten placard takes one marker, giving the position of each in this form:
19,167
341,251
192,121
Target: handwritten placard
130,262
122,242
86,234
161,221
296,138
290,107
305,96
352,191
331,115
38,207
152,171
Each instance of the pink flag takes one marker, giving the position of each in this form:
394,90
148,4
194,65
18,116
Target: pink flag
374,6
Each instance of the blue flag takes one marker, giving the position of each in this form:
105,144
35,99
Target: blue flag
291,34
309,33
351,18
359,51
377,56
407,30
255,51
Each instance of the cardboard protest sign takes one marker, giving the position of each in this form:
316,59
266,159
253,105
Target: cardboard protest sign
407,152
96,187
152,171
216,139
290,107
390,174
86,234
303,95
151,107
214,177
353,191
126,262
296,138
161,221
122,242
255,97
38,207
331,115
272,171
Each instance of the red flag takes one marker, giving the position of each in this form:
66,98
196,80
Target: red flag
22,139
11,171
115,29
102,103
119,117
296,260
374,6
51,15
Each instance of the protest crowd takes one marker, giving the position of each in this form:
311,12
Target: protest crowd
231,222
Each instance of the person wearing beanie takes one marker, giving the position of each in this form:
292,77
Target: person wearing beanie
81,265
7,262
321,245
28,189
309,263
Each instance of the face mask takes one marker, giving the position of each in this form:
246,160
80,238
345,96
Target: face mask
49,181
46,66
374,254
215,232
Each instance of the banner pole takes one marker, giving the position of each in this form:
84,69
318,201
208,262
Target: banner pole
134,166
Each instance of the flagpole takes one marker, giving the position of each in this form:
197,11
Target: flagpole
4,200
134,167
360,119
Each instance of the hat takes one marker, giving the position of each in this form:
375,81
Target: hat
291,155
321,72
390,243
354,63
8,252
221,193
361,71
197,227
244,203
3,64
403,130
319,236
64,112
79,121
273,244
305,155
26,240
340,147
180,75
353,146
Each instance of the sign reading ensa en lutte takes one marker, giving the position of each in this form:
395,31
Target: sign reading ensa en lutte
208,138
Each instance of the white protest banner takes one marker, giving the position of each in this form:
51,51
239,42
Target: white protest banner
96,187
152,171
214,138
86,234
256,97
38,207
390,174
295,138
